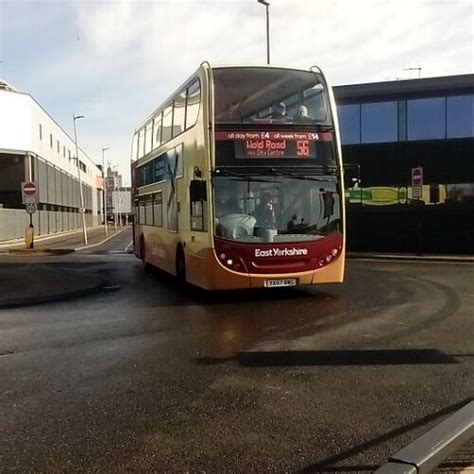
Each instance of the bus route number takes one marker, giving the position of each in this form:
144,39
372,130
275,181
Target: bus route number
302,148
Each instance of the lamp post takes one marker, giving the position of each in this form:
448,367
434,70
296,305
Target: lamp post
267,5
81,193
120,200
115,200
104,188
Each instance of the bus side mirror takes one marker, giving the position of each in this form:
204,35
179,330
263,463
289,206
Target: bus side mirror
198,191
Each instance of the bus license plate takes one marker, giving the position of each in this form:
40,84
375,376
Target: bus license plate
282,282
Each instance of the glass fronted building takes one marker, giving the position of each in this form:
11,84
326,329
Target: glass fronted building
390,128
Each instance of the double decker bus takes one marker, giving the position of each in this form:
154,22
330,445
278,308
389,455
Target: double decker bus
238,180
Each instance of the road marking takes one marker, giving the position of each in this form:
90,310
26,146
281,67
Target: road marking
100,243
128,247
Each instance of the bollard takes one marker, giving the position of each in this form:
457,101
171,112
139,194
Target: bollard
29,237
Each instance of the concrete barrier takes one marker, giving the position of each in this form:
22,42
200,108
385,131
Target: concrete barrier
430,450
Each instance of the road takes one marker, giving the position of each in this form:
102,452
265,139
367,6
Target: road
150,378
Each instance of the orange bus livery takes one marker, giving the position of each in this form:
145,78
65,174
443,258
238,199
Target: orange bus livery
238,180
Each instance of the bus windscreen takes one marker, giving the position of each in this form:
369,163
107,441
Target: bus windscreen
269,95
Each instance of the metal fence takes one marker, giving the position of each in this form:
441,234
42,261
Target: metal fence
13,222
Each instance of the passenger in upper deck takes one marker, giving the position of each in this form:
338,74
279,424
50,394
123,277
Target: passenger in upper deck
302,115
279,113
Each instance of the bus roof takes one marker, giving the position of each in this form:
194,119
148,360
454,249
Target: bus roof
206,65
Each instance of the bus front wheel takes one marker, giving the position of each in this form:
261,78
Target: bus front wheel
180,266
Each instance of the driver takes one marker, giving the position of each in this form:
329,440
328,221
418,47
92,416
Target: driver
265,212
226,203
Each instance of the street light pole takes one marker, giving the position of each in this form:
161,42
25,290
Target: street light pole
120,208
267,6
104,188
115,197
81,193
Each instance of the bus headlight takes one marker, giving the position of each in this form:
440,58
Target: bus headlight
233,262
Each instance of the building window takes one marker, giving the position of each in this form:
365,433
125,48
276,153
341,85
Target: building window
58,147
379,122
426,118
460,116
69,154
51,140
64,151
349,123
40,129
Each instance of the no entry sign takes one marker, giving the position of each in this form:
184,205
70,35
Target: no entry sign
417,182
29,188
29,191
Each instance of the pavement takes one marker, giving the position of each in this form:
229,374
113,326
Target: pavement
462,461
62,243
151,378
24,284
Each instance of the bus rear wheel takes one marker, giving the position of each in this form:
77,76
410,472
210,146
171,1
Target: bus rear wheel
180,266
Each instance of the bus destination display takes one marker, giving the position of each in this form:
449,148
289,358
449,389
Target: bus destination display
264,144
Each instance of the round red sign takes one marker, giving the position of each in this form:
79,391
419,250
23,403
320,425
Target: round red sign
29,189
416,177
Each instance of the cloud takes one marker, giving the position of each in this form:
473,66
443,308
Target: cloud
115,61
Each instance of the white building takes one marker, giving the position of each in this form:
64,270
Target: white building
119,198
33,147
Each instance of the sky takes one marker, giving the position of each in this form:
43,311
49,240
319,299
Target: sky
115,61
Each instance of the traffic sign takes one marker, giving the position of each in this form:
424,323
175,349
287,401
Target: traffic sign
30,208
417,182
29,191
29,188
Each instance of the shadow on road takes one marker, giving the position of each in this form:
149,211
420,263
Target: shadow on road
189,295
335,358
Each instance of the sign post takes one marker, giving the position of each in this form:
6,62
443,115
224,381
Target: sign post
417,182
29,192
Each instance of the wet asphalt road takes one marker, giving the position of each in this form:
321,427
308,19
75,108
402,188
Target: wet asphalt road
147,378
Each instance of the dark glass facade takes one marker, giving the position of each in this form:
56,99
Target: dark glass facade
460,116
387,129
426,118
349,123
379,122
